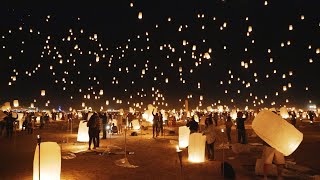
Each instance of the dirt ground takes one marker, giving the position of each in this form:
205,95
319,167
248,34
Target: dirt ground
155,158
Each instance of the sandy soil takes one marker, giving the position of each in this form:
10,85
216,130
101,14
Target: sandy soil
155,158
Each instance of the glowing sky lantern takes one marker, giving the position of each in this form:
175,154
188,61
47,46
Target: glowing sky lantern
140,15
15,103
43,92
50,161
277,132
284,113
196,148
184,133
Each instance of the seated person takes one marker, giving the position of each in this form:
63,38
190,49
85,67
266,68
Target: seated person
271,155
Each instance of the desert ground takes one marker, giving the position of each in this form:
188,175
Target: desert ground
150,158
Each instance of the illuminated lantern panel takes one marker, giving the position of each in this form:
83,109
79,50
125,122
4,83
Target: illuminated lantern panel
50,161
83,130
197,147
277,132
284,113
136,124
184,133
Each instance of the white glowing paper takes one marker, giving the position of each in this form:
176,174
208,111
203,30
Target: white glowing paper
83,130
135,124
196,148
277,132
184,133
50,161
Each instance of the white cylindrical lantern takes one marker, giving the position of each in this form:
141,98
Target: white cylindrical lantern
15,103
184,133
83,130
135,124
50,161
196,148
277,132
43,92
284,113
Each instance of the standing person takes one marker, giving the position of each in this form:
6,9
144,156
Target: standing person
98,128
241,128
130,117
193,125
293,118
161,124
228,127
215,118
119,123
104,125
155,125
210,134
271,155
9,124
92,124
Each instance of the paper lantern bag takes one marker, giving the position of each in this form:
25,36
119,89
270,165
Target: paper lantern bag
50,161
197,147
184,133
277,132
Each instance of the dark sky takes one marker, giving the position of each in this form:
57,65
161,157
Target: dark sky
224,33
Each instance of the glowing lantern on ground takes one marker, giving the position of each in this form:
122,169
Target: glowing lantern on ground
50,161
15,103
83,130
43,92
196,148
184,133
284,113
277,132
135,124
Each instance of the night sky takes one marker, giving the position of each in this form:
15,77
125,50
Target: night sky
234,52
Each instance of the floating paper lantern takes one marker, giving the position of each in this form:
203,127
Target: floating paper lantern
277,132
184,133
83,130
140,15
15,103
196,148
43,92
284,113
135,124
50,161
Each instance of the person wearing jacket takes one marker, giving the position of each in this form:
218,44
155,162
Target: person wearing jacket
210,134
